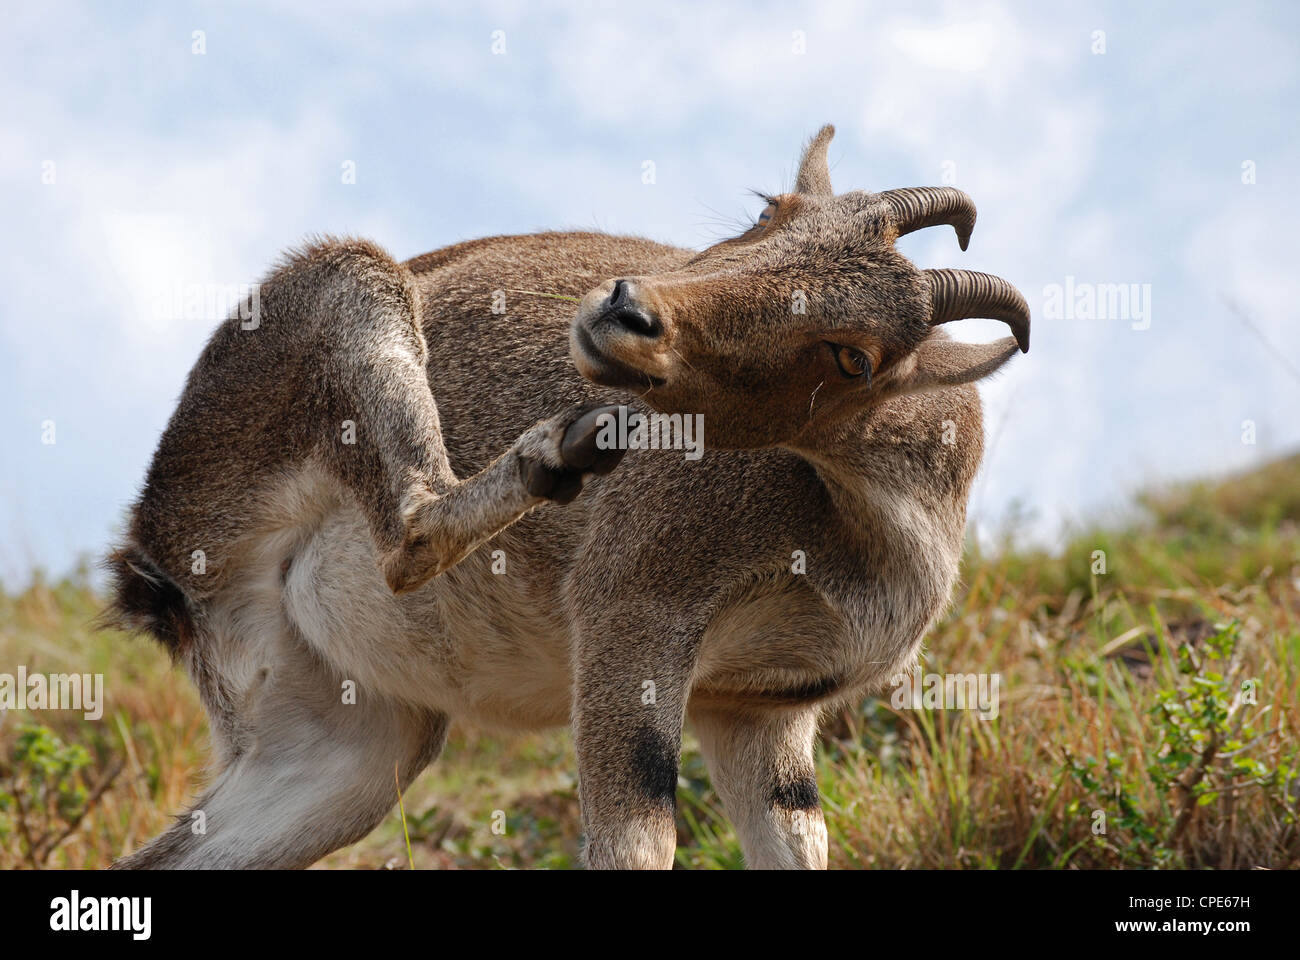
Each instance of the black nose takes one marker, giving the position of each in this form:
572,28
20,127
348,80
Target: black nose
622,308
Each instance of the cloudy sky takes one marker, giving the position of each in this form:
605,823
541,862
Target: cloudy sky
1111,144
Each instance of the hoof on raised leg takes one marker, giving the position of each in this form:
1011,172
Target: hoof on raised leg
579,454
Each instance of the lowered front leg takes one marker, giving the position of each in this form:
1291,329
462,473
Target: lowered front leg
761,764
628,732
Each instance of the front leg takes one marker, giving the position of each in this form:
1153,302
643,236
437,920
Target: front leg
646,583
631,690
548,463
761,764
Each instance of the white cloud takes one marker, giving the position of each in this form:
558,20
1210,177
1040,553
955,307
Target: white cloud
1115,168
961,47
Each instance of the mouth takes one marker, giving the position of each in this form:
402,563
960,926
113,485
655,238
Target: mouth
598,367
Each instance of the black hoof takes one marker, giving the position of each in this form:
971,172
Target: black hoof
581,454
579,448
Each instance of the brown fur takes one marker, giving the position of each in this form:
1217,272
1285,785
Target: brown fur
372,563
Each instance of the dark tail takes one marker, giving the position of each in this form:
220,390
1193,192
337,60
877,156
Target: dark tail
145,600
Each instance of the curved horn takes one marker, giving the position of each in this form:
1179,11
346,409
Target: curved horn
918,207
959,294
814,173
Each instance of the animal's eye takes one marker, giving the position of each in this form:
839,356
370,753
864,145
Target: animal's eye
768,213
852,363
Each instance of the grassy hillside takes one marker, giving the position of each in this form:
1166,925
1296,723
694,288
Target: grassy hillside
1148,717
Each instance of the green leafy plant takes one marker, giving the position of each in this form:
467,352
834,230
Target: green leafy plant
43,793
1209,747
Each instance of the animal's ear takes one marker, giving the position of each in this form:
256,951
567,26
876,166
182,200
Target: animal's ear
940,362
814,175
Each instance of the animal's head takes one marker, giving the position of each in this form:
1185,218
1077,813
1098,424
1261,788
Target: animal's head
806,318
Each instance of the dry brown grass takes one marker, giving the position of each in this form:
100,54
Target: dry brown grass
1084,661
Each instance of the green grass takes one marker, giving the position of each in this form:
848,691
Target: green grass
1122,708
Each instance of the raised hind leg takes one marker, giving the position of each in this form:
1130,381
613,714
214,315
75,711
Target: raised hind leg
369,376
330,381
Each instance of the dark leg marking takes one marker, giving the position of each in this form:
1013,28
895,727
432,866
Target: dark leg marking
799,793
655,763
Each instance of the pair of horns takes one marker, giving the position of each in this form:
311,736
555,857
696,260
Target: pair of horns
954,294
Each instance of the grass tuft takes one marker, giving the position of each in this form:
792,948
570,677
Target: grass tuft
1150,696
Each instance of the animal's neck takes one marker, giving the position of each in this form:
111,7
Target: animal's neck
882,504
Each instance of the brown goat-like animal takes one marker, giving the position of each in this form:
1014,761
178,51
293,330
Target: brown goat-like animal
332,541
